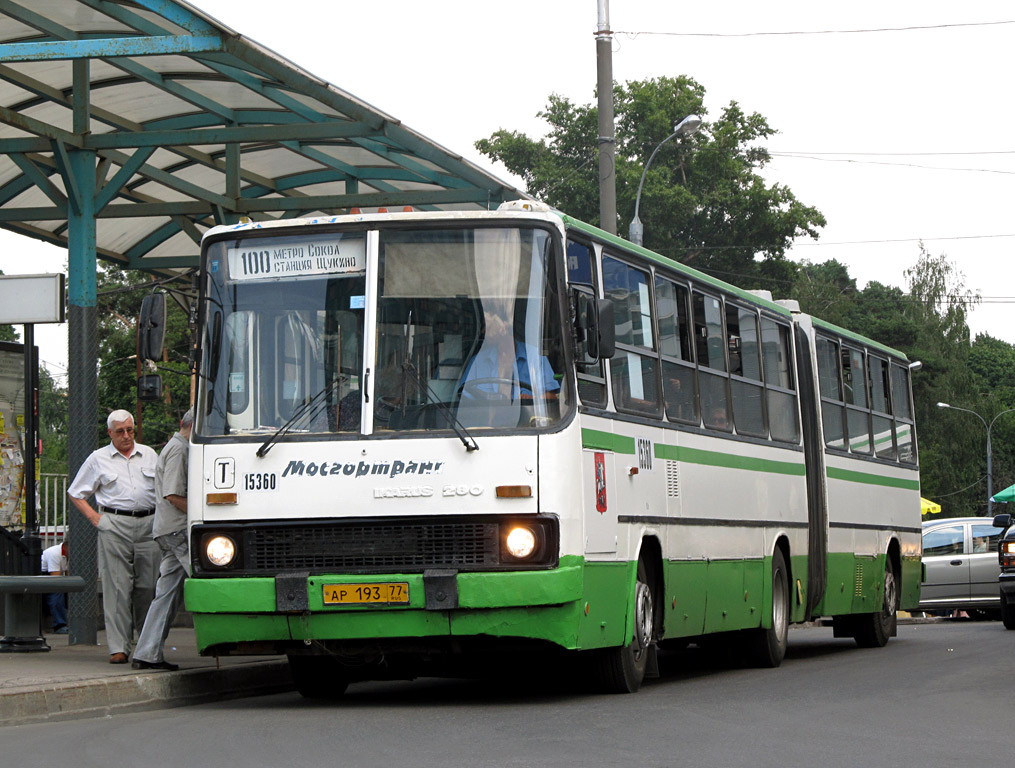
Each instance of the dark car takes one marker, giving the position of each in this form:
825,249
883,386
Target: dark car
1006,580
960,566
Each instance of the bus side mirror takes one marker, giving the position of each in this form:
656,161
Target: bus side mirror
149,387
1002,521
151,327
606,337
596,335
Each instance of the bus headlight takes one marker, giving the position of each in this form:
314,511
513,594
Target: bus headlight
220,550
521,542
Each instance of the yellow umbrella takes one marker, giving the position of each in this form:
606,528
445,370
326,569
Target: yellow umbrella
928,507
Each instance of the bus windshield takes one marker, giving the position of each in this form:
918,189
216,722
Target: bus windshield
466,332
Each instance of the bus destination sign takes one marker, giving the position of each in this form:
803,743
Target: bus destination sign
296,257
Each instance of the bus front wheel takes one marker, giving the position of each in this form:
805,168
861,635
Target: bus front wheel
622,670
318,677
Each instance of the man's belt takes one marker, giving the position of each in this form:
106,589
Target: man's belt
127,512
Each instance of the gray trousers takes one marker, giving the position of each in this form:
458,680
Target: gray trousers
129,565
168,596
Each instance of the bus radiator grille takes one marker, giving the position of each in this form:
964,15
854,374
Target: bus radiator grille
378,547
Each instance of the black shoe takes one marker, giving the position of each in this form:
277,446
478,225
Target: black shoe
139,664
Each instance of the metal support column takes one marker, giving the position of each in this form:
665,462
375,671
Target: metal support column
82,389
607,133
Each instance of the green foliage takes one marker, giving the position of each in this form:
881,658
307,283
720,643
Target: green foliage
53,416
703,201
119,301
8,332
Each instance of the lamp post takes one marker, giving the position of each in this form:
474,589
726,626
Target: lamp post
686,127
990,458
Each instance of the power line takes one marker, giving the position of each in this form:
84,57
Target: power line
794,156
890,240
920,28
909,154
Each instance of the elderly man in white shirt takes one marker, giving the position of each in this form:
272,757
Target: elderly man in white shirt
121,476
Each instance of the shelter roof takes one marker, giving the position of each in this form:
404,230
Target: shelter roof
188,124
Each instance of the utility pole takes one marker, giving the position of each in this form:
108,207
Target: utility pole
607,137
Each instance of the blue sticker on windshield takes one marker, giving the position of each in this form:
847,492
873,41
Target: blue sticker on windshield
357,302
215,266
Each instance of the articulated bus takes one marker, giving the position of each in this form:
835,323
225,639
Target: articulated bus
426,437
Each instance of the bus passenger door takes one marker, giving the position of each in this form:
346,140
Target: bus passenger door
599,501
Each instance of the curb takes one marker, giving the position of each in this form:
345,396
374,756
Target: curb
141,692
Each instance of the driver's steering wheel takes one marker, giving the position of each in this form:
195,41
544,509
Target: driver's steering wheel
471,389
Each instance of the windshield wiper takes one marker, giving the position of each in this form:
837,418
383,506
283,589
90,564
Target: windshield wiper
316,402
411,372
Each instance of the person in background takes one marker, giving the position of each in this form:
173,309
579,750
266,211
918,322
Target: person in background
170,532
54,563
121,476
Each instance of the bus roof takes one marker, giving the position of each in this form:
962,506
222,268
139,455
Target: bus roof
824,325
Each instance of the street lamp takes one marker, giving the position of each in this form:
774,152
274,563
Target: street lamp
990,459
686,127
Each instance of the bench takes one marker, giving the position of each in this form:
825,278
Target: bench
23,609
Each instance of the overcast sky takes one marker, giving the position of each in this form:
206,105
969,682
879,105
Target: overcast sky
895,136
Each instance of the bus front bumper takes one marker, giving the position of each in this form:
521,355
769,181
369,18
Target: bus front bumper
253,615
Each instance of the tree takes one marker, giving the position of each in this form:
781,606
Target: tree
7,332
825,290
952,458
119,301
703,201
53,415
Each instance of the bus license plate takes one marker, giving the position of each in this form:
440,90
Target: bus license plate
396,592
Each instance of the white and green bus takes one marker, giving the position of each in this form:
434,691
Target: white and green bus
421,436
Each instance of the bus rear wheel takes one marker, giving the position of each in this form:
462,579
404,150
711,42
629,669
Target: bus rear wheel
622,670
872,630
767,646
318,677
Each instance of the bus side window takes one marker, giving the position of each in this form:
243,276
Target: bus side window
855,390
745,371
904,430
881,405
710,345
581,275
677,362
635,365
779,383
832,410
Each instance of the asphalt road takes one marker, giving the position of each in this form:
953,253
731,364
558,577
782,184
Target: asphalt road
938,695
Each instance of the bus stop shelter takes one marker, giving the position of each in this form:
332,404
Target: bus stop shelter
130,127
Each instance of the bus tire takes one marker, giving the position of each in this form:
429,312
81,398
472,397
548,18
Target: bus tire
767,645
318,677
872,630
622,670
1007,613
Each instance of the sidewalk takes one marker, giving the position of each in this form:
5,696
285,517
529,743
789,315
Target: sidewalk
75,681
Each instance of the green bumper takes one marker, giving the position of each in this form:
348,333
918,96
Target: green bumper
574,606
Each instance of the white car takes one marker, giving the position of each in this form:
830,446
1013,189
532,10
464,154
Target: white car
961,566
